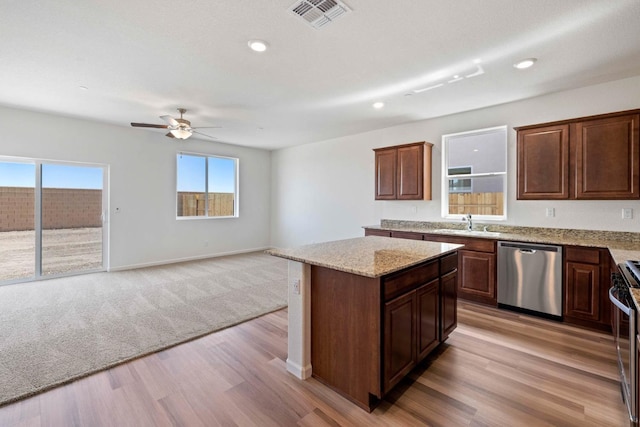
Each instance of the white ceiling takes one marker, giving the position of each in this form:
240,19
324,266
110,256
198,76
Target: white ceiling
141,59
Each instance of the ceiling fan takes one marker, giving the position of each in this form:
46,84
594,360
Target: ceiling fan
178,128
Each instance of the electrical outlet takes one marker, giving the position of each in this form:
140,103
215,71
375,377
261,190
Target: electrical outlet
551,212
627,213
296,286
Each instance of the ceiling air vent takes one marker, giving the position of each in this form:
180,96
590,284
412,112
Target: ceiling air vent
319,13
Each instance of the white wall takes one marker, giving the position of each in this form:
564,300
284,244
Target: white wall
142,184
325,191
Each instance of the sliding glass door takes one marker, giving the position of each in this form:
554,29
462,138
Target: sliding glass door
17,221
71,218
55,221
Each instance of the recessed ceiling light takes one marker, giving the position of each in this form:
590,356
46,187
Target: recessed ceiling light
83,87
378,105
258,45
525,63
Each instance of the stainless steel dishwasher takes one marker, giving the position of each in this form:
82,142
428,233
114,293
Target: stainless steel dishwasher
530,278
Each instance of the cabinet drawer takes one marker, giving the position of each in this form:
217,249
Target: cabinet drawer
377,232
584,255
406,235
448,263
397,284
480,245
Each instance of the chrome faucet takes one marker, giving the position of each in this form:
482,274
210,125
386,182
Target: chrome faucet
469,222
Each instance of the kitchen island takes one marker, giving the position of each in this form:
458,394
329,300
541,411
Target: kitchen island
363,312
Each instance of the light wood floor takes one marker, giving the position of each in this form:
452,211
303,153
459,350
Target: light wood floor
497,369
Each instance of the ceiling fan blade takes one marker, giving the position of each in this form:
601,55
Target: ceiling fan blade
148,125
203,134
170,120
170,135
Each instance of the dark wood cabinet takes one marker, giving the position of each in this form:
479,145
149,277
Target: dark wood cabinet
449,304
607,158
368,333
543,163
582,293
477,277
417,319
399,338
428,318
403,172
377,232
590,158
586,286
407,235
386,174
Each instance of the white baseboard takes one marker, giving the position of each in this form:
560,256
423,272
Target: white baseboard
193,258
298,371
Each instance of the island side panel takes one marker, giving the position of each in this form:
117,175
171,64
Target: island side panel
346,334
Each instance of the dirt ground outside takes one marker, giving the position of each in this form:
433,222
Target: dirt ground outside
63,251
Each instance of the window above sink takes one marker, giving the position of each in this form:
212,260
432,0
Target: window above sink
474,174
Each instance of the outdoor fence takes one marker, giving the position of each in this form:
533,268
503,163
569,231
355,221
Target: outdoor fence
61,208
193,204
476,203
75,208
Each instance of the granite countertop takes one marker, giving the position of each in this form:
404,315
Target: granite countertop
369,256
622,245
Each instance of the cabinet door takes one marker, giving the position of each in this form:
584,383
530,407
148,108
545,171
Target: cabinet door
399,338
386,174
477,276
410,172
607,163
543,163
582,291
428,322
449,299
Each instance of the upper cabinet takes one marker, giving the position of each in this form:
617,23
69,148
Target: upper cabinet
543,162
594,157
403,172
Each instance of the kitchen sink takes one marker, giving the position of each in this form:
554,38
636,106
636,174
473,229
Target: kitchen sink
476,233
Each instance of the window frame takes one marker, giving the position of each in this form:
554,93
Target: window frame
236,198
446,177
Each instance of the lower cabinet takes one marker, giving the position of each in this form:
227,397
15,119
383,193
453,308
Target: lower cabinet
411,332
399,338
587,272
416,322
478,276
449,303
368,333
586,285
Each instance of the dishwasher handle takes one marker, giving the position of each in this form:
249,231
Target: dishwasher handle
527,251
529,247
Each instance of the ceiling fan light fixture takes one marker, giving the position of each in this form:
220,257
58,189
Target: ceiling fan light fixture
525,63
258,45
181,133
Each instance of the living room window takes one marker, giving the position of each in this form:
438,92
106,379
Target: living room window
207,186
474,173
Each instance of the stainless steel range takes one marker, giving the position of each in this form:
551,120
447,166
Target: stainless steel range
624,331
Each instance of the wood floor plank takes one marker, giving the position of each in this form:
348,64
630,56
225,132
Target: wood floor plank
499,368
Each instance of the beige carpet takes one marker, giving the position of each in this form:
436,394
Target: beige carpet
54,331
